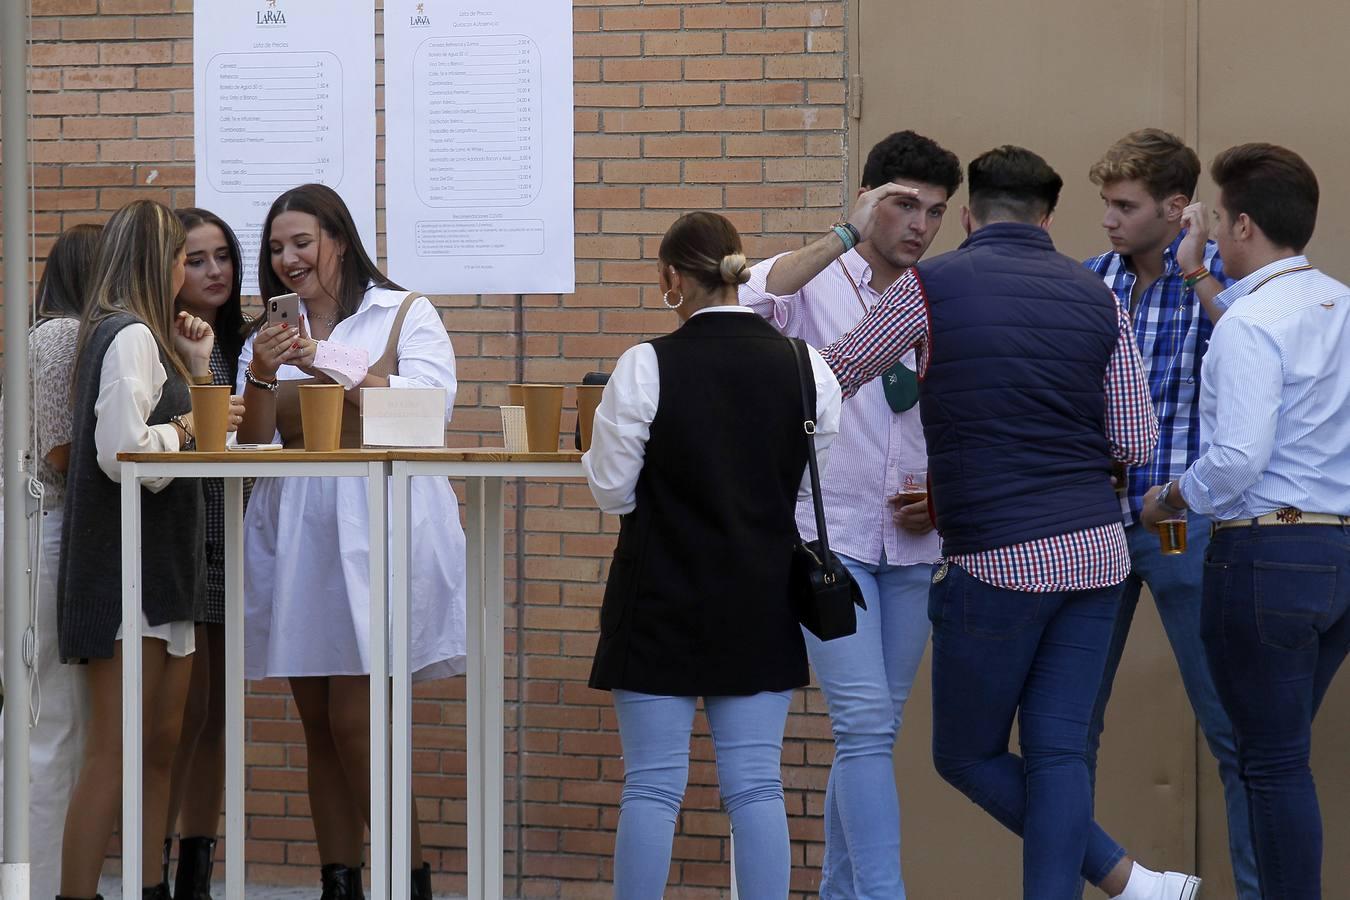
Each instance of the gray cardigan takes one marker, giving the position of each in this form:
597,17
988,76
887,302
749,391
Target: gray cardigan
89,585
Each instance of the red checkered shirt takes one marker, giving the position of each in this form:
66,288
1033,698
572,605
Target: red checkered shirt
1080,560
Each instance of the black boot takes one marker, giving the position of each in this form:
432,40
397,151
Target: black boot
421,882
158,892
341,882
196,856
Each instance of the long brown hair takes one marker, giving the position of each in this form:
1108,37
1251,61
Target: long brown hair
230,323
133,274
356,269
63,291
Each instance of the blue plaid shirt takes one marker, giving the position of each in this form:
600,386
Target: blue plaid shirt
1173,331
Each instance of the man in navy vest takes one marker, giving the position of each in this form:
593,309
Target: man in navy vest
1031,386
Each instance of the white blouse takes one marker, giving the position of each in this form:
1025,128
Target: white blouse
129,388
628,407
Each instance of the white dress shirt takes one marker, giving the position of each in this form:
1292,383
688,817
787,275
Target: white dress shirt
1274,431
877,446
129,388
628,406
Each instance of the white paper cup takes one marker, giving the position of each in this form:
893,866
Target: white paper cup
513,429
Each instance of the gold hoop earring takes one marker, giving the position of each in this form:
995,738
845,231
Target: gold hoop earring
665,298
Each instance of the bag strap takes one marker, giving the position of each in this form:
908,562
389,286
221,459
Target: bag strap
803,360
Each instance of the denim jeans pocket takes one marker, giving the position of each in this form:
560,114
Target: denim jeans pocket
991,612
1292,602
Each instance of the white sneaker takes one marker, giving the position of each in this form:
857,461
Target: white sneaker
1177,886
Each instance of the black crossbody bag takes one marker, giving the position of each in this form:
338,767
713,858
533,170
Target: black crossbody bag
822,589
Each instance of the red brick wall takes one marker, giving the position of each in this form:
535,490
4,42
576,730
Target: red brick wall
734,106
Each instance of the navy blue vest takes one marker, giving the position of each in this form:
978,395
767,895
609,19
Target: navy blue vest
1013,401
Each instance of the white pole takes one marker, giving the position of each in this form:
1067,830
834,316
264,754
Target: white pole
13,132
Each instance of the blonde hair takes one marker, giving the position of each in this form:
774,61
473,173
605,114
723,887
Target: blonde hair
133,273
1158,158
706,247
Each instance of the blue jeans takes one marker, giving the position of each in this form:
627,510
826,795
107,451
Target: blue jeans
747,736
997,654
1175,583
866,679
1276,627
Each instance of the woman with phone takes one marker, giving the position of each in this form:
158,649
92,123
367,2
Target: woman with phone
135,359
697,601
56,738
307,579
211,289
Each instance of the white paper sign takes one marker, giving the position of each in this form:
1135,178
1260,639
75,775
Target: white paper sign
284,94
478,113
403,417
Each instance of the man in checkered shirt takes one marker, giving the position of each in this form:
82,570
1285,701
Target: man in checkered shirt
1167,273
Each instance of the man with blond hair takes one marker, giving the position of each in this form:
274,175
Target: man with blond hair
1167,273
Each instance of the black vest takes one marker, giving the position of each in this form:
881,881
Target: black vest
697,598
1013,402
89,585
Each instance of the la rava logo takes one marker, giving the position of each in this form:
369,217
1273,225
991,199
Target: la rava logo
271,16
420,19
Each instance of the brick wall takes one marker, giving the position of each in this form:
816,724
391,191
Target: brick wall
733,106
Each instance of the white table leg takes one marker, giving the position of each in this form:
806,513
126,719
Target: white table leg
474,686
400,491
378,648
494,653
234,688
131,683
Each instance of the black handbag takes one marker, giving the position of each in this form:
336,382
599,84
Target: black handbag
821,588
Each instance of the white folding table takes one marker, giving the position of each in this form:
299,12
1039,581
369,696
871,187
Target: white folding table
234,467
484,471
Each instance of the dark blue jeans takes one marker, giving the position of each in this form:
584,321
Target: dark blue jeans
1276,626
998,654
1175,583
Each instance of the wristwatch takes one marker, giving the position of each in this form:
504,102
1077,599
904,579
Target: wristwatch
1164,494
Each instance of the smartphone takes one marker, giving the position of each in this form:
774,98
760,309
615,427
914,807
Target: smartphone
284,309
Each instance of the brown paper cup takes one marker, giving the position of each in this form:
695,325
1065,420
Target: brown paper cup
588,398
543,415
515,394
210,415
321,415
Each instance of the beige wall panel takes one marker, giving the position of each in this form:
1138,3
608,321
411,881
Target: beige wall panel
1280,76
1062,77
1145,795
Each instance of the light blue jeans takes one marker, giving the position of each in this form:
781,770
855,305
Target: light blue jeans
747,737
866,679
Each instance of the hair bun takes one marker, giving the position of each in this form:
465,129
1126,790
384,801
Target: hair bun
733,269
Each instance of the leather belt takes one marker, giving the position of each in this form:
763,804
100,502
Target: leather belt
1286,516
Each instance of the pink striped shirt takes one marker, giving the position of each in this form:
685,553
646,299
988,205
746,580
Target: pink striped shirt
1080,560
875,447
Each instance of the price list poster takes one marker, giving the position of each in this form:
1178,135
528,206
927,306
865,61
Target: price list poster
284,95
478,116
